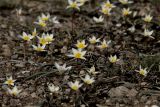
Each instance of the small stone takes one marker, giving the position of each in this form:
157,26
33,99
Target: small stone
33,95
118,91
20,65
132,93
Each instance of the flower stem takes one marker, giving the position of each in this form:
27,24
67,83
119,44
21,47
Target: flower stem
24,50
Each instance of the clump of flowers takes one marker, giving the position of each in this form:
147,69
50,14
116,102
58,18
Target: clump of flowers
45,39
78,52
11,82
15,91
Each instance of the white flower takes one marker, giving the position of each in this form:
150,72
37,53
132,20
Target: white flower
75,86
19,11
81,44
49,38
74,4
34,33
79,54
10,81
39,48
88,79
108,5
132,29
92,70
113,59
93,40
98,20
42,39
62,68
26,37
41,23
52,88
148,33
44,17
106,10
142,71
147,18
135,13
54,20
104,44
126,12
14,91
125,1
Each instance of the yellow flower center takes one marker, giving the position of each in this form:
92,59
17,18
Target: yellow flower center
43,41
10,82
88,81
108,5
74,87
14,93
39,49
104,46
74,5
142,72
78,55
113,60
49,39
43,24
93,41
80,45
27,38
105,11
147,19
34,33
126,12
45,18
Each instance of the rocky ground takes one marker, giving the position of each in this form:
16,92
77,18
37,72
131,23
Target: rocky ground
116,85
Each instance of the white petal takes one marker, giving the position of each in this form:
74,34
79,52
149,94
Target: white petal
57,65
70,1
